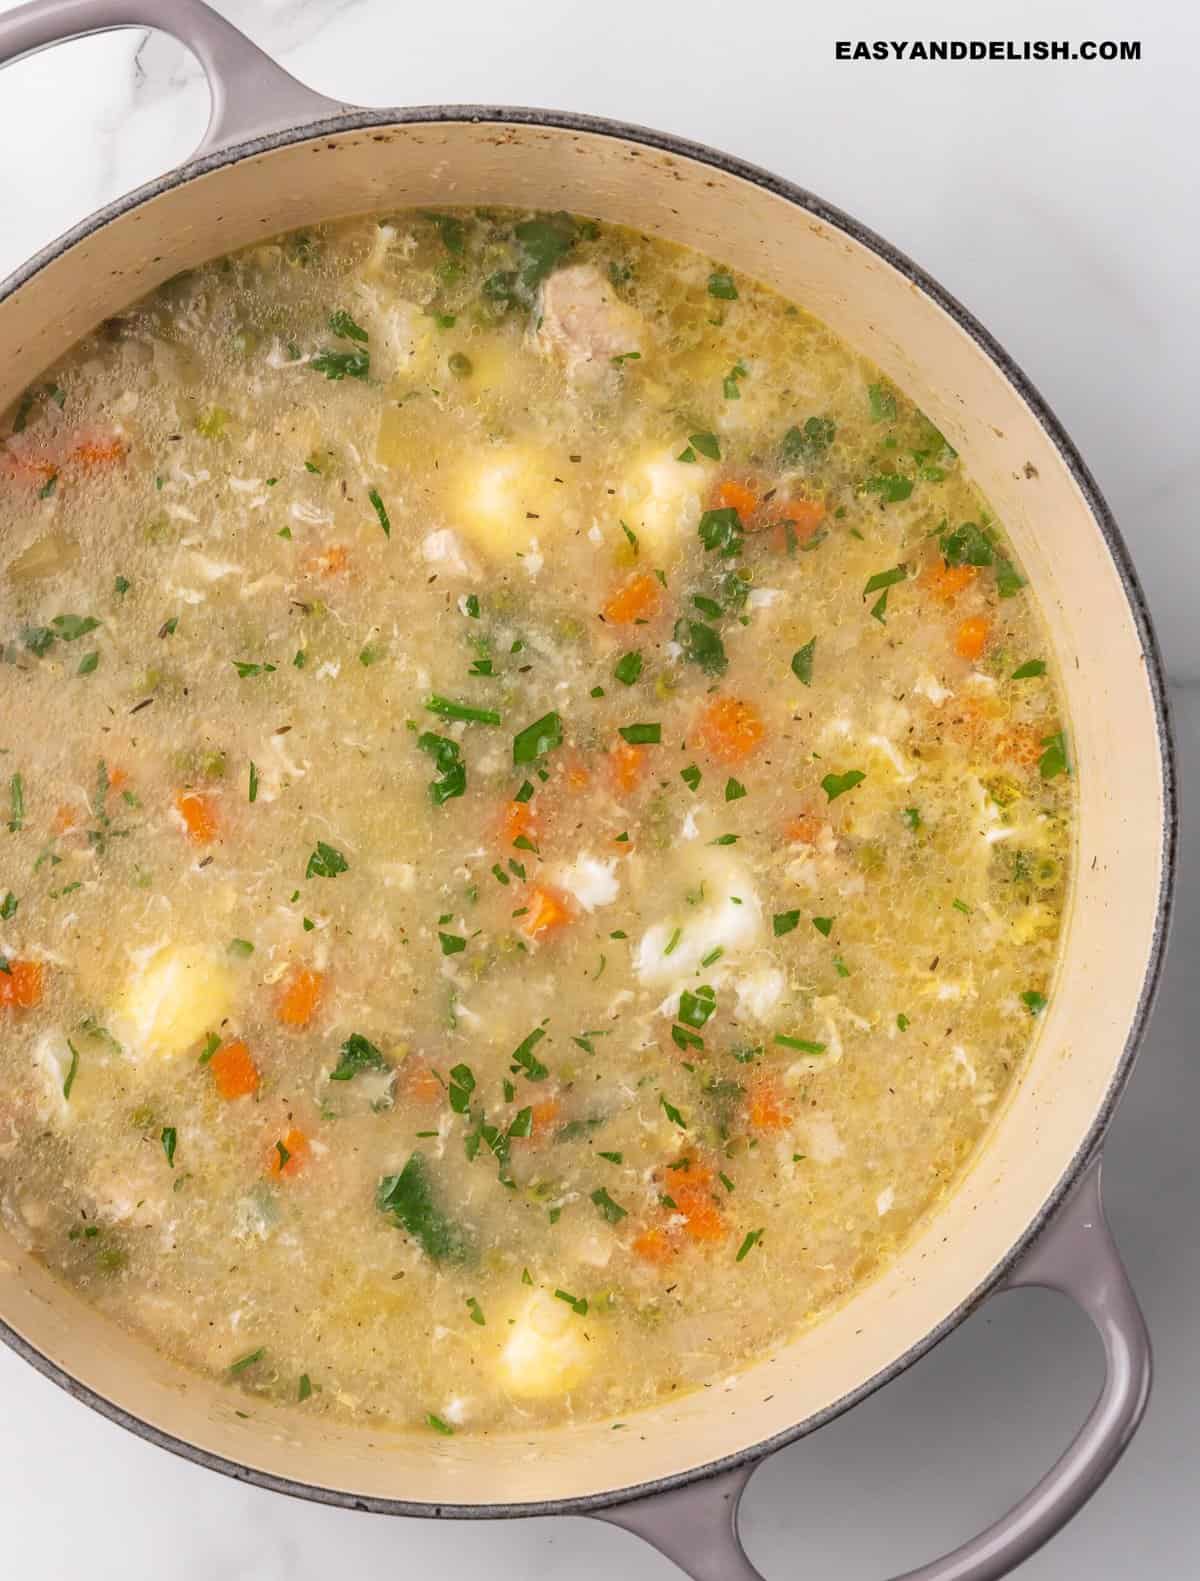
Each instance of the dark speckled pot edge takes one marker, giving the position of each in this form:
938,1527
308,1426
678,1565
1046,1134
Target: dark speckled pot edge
361,119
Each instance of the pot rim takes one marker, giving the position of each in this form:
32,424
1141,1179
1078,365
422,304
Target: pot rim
356,119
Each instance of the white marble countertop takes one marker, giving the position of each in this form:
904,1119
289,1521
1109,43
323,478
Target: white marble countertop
1059,203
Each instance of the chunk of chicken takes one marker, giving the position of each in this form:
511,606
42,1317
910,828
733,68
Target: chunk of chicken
581,321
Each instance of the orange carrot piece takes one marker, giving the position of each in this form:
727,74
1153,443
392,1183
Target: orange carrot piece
639,598
25,466
627,764
548,910
795,521
199,814
653,1246
420,1083
295,1146
691,1192
765,1108
118,779
545,1116
299,998
971,637
574,772
947,581
803,829
21,985
740,497
64,820
234,1072
335,559
519,820
1021,744
98,452
730,730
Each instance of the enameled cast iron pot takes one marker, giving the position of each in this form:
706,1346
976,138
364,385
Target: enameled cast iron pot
277,156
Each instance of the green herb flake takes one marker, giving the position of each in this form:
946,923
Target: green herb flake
356,1055
835,785
1034,1002
438,1425
476,1311
241,947
721,285
902,1022
305,1389
447,708
342,324
802,662
524,1060
577,1303
751,1241
380,511
691,776
1053,760
672,1113
611,1211
641,735
537,739
408,1200
325,862
169,1139
882,403
248,1360
16,804
452,943
784,922
72,1071
803,1045
1028,670
628,668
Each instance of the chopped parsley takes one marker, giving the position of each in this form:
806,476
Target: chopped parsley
835,785
783,922
720,285
448,761
452,943
691,776
1034,1002
169,1140
1053,760
823,925
704,444
611,1210
701,645
672,1113
802,1044
751,1241
357,1054
628,668
342,324
380,511
524,1059
447,708
325,862
1027,671
802,662
641,735
537,739
408,1200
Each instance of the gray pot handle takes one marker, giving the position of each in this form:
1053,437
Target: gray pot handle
251,95
697,1525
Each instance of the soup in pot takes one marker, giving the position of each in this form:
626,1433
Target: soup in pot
535,814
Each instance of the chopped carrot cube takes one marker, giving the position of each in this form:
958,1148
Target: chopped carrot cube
548,910
64,820
199,814
795,521
737,496
1021,744
296,1153
299,997
729,729
545,1114
627,764
693,1198
971,637
17,464
639,598
765,1109
234,1072
421,1085
947,581
574,772
98,452
802,830
335,559
519,820
653,1246
21,985
118,779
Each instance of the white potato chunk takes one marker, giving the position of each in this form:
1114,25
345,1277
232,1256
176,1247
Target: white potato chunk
548,1350
759,992
504,501
728,916
662,500
172,999
446,550
583,323
400,333
592,882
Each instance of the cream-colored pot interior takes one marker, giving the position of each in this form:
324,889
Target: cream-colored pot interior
1114,731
